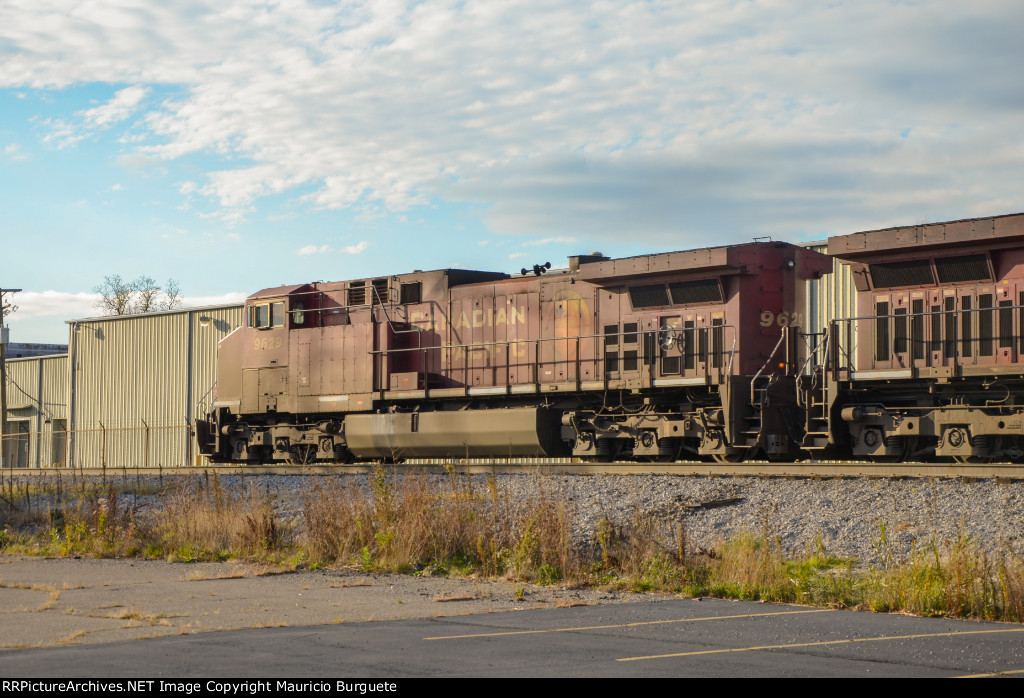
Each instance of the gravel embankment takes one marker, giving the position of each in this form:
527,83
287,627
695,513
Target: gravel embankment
846,515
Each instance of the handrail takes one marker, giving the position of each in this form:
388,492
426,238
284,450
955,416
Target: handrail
753,381
908,314
954,340
598,357
822,348
201,403
548,339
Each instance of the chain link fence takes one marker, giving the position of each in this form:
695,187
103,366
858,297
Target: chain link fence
102,447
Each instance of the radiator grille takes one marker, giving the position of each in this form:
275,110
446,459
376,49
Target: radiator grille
648,296
704,291
953,270
916,272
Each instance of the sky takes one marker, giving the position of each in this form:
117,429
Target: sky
242,144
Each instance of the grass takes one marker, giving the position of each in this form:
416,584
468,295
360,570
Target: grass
198,520
407,525
410,523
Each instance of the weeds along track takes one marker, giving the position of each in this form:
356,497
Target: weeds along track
776,538
847,515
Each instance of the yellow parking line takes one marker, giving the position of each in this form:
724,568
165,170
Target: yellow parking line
821,644
627,625
994,673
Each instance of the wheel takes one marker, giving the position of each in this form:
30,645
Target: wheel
974,460
728,457
995,445
908,445
614,451
303,454
656,459
885,459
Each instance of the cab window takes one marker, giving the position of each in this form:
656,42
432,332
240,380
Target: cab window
277,314
263,316
298,314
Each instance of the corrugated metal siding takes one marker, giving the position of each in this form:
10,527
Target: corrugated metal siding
134,383
36,393
222,321
832,296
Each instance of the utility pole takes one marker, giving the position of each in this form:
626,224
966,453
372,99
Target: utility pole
3,378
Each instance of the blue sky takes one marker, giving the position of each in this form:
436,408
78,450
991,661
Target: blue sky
241,144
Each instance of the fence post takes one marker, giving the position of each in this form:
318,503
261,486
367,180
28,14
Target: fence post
145,459
103,452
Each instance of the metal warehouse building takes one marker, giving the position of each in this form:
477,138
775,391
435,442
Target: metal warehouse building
126,394
36,412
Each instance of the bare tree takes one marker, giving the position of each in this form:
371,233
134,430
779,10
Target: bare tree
120,297
172,295
147,295
116,295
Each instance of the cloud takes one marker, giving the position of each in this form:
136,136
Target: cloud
357,248
13,152
124,103
67,306
517,255
63,134
547,241
230,298
313,249
562,119
57,304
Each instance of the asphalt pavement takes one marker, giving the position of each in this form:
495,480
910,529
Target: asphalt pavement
93,618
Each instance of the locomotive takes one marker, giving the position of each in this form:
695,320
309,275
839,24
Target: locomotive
932,366
681,354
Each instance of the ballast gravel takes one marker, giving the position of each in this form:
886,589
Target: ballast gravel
866,519
872,520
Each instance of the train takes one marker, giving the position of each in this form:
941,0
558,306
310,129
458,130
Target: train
700,354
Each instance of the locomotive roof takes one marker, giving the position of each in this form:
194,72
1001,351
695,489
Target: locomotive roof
456,277
724,259
597,268
992,231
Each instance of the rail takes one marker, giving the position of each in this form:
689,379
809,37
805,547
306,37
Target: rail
14,482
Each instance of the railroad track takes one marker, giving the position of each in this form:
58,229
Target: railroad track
1009,471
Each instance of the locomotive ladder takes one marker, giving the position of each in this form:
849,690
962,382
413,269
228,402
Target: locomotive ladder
813,396
759,395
